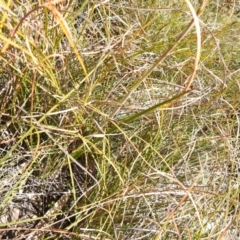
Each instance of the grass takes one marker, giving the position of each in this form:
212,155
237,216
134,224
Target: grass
119,120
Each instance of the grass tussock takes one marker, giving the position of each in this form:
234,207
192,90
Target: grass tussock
119,120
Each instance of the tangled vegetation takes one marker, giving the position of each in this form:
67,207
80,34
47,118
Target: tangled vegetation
119,119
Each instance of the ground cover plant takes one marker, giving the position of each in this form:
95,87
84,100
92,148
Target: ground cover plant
119,119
